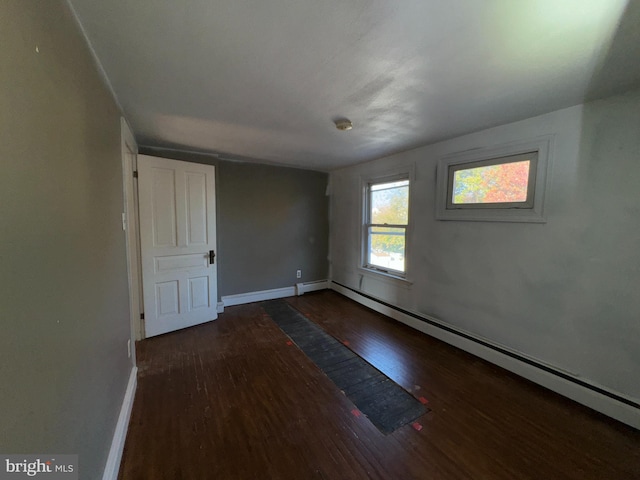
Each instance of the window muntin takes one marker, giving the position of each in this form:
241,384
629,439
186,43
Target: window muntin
504,182
386,222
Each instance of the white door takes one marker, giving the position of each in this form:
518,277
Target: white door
178,242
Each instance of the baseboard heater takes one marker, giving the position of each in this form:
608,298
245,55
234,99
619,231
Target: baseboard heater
302,288
508,353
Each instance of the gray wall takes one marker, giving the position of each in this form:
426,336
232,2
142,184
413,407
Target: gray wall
63,275
271,221
564,292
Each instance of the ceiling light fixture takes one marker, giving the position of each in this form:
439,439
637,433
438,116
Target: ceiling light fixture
344,124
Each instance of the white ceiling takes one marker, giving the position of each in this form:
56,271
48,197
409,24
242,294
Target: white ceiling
264,79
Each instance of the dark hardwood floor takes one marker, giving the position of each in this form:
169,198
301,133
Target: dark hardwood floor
232,400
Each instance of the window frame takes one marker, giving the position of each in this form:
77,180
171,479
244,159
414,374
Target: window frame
367,183
532,210
531,182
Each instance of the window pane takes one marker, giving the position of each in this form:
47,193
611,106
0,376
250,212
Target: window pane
390,203
386,247
503,183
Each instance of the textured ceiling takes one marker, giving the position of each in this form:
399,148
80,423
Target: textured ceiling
265,79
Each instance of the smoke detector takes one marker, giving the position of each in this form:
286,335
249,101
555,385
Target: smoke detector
344,124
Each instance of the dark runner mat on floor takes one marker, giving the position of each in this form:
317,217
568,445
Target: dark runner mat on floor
383,401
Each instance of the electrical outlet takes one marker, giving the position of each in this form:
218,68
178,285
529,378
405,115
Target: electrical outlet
298,273
129,348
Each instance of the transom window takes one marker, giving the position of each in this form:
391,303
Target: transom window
506,182
386,222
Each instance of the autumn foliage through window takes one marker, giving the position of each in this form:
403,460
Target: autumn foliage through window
492,184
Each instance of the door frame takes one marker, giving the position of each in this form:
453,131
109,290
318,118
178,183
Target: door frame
129,152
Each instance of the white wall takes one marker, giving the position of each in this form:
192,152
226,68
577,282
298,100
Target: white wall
566,292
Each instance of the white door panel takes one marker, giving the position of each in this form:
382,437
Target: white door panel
177,232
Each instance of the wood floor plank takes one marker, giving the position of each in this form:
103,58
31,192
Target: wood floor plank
231,400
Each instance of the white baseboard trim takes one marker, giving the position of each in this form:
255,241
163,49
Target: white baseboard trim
302,288
581,394
220,307
262,295
250,297
112,467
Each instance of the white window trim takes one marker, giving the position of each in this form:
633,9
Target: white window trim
497,213
404,173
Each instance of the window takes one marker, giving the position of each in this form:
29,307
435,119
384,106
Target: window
502,184
385,225
506,182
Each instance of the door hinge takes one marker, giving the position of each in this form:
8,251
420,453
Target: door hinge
142,316
135,174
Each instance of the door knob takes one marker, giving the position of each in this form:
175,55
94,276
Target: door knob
212,257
